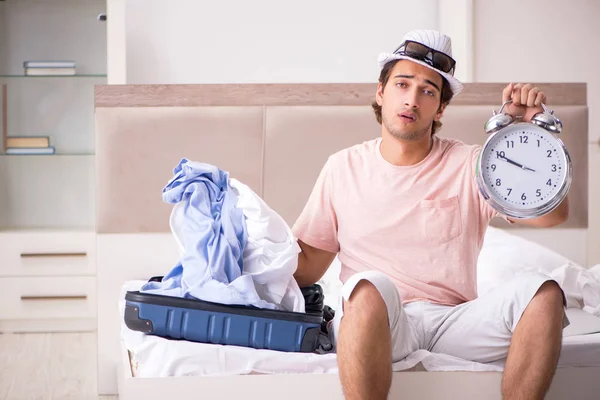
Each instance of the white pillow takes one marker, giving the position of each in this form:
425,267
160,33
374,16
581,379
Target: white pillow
504,255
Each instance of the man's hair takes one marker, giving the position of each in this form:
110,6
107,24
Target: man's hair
384,76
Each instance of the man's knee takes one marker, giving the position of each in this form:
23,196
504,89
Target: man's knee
547,304
367,302
548,297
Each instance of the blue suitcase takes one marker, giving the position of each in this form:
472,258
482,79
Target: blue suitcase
207,322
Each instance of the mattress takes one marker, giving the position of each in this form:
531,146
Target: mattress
153,356
580,351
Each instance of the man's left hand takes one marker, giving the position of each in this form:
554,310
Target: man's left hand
526,100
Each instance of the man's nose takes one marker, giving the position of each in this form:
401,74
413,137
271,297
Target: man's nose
412,99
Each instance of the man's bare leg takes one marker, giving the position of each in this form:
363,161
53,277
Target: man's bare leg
535,346
364,345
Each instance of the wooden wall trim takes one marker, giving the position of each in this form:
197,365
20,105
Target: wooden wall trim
353,94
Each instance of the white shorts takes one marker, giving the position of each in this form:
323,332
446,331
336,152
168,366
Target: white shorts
487,322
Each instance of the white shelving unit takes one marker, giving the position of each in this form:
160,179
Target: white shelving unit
47,207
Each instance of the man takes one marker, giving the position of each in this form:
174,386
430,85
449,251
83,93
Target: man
405,215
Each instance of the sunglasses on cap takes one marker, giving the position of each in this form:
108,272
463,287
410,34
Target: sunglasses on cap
432,57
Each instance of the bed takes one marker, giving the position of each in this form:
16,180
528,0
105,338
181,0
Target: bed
275,138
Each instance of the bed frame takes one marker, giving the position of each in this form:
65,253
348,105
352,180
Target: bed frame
275,138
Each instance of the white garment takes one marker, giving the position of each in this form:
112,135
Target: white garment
487,321
580,285
271,251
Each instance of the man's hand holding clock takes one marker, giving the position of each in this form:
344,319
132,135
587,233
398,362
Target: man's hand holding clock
524,170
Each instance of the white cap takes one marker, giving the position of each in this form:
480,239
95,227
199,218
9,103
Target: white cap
431,39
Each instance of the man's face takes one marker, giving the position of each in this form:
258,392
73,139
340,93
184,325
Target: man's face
410,101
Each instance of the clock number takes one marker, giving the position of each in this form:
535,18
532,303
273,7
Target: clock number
549,183
525,139
509,144
498,182
493,167
549,153
509,190
538,193
500,154
553,167
523,197
538,142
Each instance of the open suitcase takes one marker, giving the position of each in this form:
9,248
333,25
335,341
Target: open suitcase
207,322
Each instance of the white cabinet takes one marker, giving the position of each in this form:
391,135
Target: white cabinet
55,190
47,202
47,281
43,298
59,253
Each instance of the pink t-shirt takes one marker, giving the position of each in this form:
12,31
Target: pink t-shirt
422,225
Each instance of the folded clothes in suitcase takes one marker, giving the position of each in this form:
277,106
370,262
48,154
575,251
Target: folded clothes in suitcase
207,322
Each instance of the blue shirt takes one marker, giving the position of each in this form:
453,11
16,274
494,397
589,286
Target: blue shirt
212,232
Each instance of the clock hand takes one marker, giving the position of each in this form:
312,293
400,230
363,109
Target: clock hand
508,160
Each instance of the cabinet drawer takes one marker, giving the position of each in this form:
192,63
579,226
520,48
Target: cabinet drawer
31,253
47,298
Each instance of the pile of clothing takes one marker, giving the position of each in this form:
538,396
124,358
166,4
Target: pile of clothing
233,248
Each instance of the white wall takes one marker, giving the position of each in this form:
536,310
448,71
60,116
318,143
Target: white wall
456,20
116,58
265,41
269,41
540,41
546,41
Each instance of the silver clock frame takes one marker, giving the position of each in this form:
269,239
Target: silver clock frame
536,211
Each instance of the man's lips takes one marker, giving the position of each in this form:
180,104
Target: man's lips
407,117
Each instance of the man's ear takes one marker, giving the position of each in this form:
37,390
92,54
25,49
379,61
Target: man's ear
440,111
379,94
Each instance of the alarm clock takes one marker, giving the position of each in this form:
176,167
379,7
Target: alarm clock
524,170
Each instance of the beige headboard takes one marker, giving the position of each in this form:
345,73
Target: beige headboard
275,138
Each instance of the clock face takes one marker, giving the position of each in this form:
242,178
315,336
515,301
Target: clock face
524,167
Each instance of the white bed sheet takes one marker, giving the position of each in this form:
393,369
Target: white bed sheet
153,356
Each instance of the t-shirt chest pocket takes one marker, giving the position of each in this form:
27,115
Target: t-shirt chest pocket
440,219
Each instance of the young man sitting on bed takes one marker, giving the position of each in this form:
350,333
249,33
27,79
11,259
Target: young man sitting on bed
405,215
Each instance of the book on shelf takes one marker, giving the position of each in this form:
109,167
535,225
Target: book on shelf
49,64
27,141
31,150
49,71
